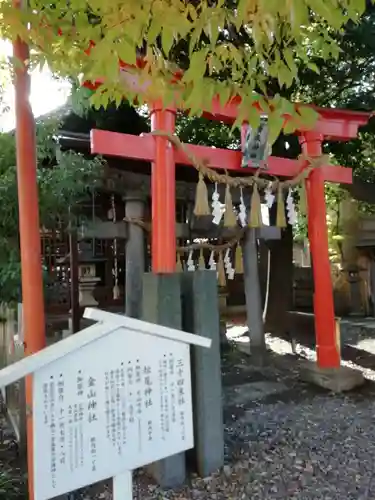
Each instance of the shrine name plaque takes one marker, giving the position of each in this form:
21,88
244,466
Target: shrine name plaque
116,404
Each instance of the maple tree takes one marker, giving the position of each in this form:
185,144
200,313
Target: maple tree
203,37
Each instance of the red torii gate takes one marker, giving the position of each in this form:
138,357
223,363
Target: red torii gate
331,125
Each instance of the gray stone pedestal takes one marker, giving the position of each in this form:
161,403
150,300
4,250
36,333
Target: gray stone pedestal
201,316
253,297
161,304
334,379
134,256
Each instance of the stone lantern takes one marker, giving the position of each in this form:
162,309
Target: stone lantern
87,275
87,278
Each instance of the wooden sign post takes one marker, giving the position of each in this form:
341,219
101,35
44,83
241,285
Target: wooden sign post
115,397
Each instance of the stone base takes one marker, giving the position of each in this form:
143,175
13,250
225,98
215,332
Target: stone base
334,379
258,354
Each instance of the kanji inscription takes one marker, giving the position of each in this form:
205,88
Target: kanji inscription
116,404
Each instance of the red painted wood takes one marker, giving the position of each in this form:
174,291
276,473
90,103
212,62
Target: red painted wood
163,193
327,349
29,230
143,148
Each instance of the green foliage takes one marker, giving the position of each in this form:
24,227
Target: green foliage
12,485
203,131
228,47
335,195
63,187
80,100
121,117
349,83
63,182
300,229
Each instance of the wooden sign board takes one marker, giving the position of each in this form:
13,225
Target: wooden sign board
109,405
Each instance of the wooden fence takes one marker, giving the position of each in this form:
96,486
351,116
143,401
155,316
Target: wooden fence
12,350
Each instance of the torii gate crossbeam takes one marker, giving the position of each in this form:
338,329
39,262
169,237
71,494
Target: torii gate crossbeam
331,125
142,148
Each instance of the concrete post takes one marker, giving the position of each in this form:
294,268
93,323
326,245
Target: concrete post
161,304
253,295
201,316
134,256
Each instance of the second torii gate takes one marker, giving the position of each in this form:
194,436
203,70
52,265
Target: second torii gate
331,125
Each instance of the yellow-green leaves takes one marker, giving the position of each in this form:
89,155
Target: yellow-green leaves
275,124
197,67
282,36
167,39
127,51
298,14
305,117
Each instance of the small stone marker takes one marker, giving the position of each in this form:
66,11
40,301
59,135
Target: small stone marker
253,297
161,304
114,397
200,300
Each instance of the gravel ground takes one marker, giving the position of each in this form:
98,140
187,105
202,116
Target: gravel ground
318,449
283,438
299,443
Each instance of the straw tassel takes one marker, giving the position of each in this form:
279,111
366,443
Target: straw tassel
221,271
230,219
201,261
255,208
280,215
238,260
179,268
201,198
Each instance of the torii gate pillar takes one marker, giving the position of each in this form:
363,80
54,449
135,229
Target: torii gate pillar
327,345
163,193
